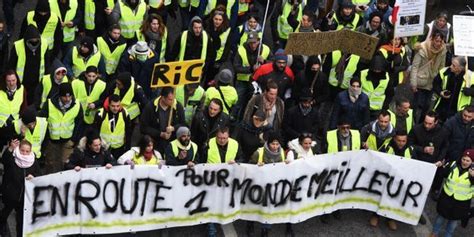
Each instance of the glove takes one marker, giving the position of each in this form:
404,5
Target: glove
256,88
468,91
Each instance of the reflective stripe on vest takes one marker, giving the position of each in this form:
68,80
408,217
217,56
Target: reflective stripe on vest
349,70
47,85
406,154
175,148
89,13
61,126
37,137
184,38
408,120
333,142
283,27
164,40
458,186
78,63
223,38
68,33
463,100
261,153
376,95
80,93
245,61
111,59
350,26
10,107
211,5
192,103
213,155
49,29
20,63
115,139
130,21
402,54
372,142
132,107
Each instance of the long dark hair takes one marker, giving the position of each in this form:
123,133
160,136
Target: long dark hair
146,24
143,143
219,10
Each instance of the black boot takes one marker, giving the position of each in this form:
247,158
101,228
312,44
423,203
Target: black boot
289,230
265,232
250,229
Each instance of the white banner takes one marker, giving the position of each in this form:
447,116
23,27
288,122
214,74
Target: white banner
410,17
100,201
463,30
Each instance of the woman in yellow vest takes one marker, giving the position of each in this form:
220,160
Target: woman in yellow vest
154,32
456,194
144,154
251,25
395,54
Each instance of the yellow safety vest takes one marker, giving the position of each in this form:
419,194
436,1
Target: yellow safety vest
333,142
211,5
164,41
193,101
184,38
384,53
111,59
261,152
69,34
407,153
158,3
283,27
213,156
61,126
372,142
463,100
47,83
49,29
350,26
20,63
10,107
349,71
223,38
130,21
115,139
458,186
80,64
132,107
408,120
243,8
245,35
245,60
80,93
89,13
376,95
37,137
229,96
175,148
140,160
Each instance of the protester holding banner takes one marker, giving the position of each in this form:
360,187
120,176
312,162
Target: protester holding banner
19,164
344,138
303,147
90,152
399,146
182,151
456,194
222,148
144,154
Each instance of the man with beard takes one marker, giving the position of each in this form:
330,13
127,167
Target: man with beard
182,151
111,45
377,134
192,44
48,24
30,58
82,56
302,118
343,138
129,14
402,116
279,72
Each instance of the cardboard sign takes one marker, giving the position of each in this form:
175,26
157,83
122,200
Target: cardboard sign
463,31
315,43
176,73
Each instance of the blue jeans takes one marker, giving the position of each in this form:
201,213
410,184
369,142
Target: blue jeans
450,227
211,230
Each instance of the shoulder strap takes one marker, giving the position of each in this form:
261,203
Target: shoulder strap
223,99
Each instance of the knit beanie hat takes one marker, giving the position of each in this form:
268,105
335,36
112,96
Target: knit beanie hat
469,153
65,89
225,76
29,116
280,55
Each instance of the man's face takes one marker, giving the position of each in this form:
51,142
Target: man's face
91,77
197,28
95,145
375,22
456,67
11,81
274,146
222,138
185,139
66,99
214,109
383,121
403,108
429,122
467,117
401,141
306,21
84,49
168,100
344,129
115,34
31,125
119,84
306,103
253,45
315,67
271,95
114,106
281,64
382,5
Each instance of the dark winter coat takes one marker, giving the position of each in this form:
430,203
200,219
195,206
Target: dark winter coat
82,156
419,138
460,136
250,138
357,113
201,130
296,123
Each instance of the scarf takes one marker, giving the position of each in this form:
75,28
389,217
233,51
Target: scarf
268,106
305,111
391,49
148,155
432,53
273,156
379,133
64,107
150,35
257,29
354,93
23,161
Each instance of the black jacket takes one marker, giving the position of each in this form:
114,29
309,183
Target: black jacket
419,138
201,130
82,156
13,184
295,123
250,139
460,136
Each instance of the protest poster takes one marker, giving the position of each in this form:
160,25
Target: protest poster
176,73
100,201
463,32
315,43
409,17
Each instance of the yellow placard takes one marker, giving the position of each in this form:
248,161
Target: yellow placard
176,73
